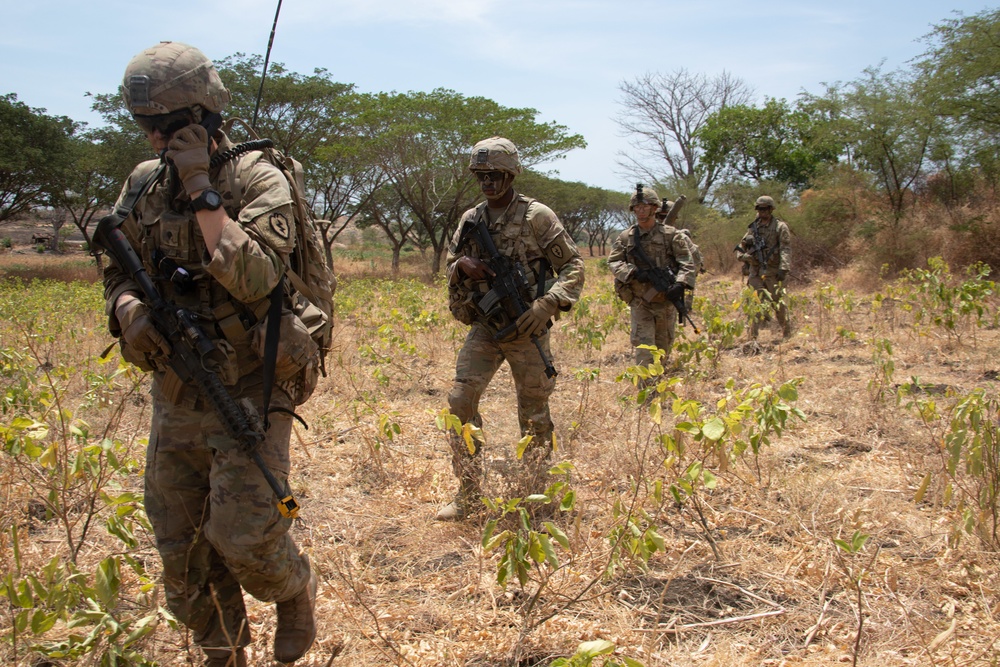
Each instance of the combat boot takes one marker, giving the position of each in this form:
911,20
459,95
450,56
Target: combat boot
465,504
225,658
296,629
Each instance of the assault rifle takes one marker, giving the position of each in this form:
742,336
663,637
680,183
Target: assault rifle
662,279
756,248
507,286
193,356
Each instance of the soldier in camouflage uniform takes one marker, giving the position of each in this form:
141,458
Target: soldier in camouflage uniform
530,233
768,278
654,317
667,214
217,526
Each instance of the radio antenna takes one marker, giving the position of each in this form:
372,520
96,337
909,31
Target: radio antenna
263,74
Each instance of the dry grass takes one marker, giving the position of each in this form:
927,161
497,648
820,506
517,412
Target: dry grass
399,588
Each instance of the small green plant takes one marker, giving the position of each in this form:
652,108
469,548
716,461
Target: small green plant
523,546
881,380
952,306
6,243
101,630
967,435
587,652
855,574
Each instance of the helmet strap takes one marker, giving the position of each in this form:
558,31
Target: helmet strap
505,186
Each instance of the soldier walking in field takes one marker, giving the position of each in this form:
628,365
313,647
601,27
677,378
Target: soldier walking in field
667,215
767,254
218,256
646,248
529,235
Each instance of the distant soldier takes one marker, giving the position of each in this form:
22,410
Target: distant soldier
529,232
644,246
667,214
766,251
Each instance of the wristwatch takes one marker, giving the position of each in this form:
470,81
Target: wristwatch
209,200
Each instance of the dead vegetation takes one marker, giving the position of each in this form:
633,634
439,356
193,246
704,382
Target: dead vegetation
754,577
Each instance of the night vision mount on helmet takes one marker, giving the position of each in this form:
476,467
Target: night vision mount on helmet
643,195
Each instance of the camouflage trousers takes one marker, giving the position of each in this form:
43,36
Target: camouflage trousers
217,527
652,324
771,294
478,361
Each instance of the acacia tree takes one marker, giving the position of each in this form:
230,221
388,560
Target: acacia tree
613,216
387,211
90,185
959,73
769,143
883,131
36,154
961,67
661,116
422,142
298,112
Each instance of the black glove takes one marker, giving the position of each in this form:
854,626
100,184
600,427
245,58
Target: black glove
675,293
643,275
780,275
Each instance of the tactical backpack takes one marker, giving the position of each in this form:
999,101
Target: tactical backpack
311,279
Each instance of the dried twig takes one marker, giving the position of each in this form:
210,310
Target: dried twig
741,590
722,621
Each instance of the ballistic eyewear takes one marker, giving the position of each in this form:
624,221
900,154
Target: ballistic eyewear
492,176
166,123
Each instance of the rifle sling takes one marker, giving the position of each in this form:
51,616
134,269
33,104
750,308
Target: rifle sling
137,191
271,336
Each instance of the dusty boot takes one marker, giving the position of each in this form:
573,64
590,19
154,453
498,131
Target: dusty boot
466,502
217,657
468,468
296,629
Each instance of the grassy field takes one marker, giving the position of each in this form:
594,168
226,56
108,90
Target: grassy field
823,500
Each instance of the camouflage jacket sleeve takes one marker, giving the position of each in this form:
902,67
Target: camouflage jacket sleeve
116,280
687,272
746,242
451,269
561,252
618,259
250,256
785,246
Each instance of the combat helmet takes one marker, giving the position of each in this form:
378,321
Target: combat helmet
764,201
172,76
648,196
664,209
495,154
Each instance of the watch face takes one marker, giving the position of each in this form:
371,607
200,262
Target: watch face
207,200
213,199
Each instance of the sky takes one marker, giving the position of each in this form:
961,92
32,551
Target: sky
564,58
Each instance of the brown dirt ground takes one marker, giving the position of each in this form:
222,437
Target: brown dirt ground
398,588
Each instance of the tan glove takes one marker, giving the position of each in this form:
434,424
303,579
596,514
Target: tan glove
137,327
535,320
188,152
